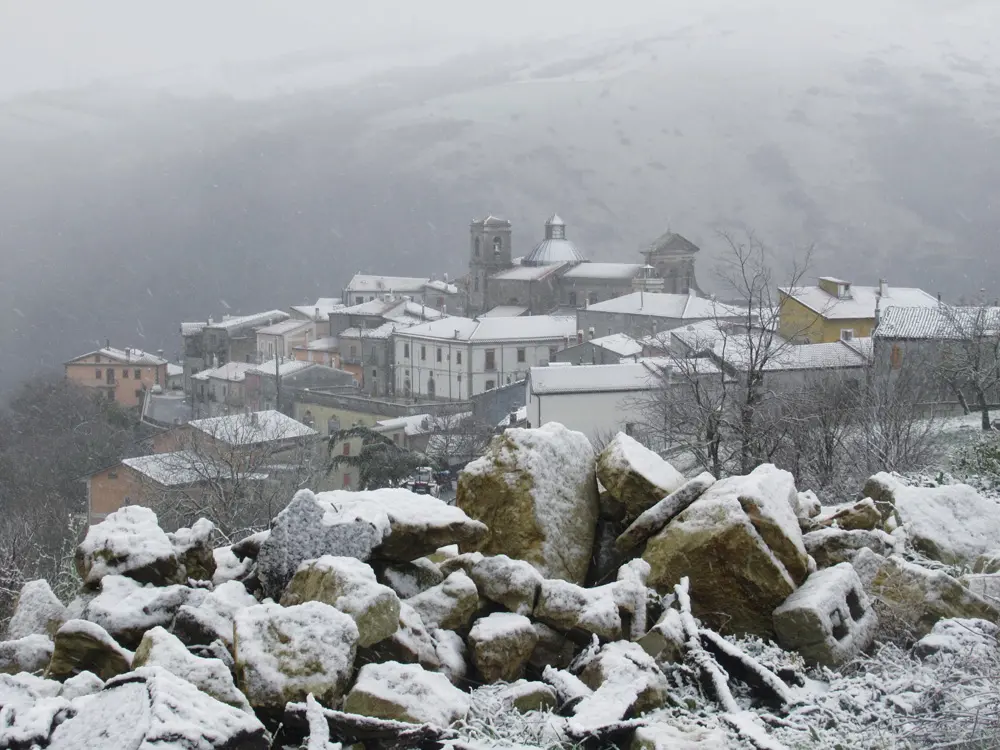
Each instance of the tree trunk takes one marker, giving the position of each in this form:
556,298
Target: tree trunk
961,399
984,408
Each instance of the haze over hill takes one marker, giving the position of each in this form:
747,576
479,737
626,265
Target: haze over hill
129,204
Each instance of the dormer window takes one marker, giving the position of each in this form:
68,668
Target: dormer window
844,290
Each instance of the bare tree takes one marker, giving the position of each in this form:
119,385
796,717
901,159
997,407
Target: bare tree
970,354
380,462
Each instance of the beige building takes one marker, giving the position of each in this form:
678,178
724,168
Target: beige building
281,339
122,375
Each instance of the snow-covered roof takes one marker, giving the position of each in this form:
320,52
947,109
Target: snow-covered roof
734,349
504,311
937,322
441,286
233,372
862,302
619,343
254,320
170,469
192,328
632,376
285,327
527,328
528,273
383,331
174,370
408,309
381,284
663,305
617,271
371,307
416,424
325,344
319,312
286,367
127,356
253,428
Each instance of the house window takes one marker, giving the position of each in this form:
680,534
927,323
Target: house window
430,387
374,374
97,373
439,354
125,374
347,480
572,299
491,362
423,352
347,449
520,355
593,297
491,384
846,334
354,351
137,373
406,351
458,358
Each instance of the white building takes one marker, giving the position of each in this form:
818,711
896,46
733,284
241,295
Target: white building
457,358
280,339
425,290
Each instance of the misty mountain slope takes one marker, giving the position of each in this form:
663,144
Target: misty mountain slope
123,212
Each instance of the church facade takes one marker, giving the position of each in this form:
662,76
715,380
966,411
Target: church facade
556,274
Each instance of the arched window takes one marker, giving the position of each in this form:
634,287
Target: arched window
497,245
430,386
478,246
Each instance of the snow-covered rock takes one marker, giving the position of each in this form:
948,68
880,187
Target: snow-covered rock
37,611
412,643
987,562
832,546
513,584
248,547
568,607
536,491
127,609
129,542
626,682
452,655
28,654
807,505
309,528
959,637
862,515
665,640
652,520
228,567
162,649
501,645
285,653
82,646
736,579
524,696
409,578
406,692
635,476
416,525
465,561
663,736
553,648
79,685
449,605
829,619
152,708
211,618
351,586
194,549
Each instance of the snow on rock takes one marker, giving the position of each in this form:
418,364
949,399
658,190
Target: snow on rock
661,736
524,696
127,609
409,578
652,520
625,681
449,605
536,491
85,646
211,618
194,550
501,645
553,648
988,562
31,725
351,586
285,653
451,653
152,708
986,585
465,561
832,546
736,580
228,567
417,524
807,505
412,643
77,686
513,584
310,527
829,619
249,547
862,515
951,523
406,692
162,649
666,640
635,476
128,542
958,636
37,611
28,654
568,607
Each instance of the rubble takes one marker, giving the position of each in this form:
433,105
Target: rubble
501,645
37,612
635,476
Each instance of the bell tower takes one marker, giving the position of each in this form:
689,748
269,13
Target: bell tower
673,257
489,253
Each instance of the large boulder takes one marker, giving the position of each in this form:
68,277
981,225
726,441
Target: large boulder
162,649
37,611
309,528
193,547
406,692
28,654
501,645
635,476
651,521
831,546
211,617
285,653
860,516
449,605
127,609
416,525
129,542
82,646
580,611
349,585
536,491
513,584
152,708
918,596
737,580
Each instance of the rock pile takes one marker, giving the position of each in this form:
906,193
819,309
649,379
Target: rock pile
600,586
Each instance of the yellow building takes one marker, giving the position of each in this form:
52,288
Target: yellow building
123,375
837,310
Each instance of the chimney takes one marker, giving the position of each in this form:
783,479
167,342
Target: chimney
107,342
883,288
939,298
446,278
159,353
210,321
316,313
456,333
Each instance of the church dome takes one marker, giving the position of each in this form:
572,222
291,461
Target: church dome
555,248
